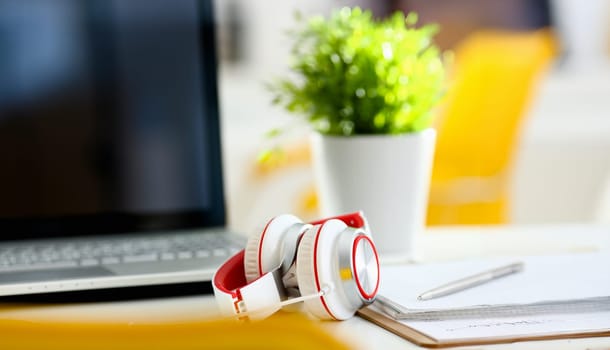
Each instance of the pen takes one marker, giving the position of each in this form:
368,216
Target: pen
471,281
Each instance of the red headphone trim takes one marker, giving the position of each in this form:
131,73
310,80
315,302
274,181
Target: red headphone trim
362,291
260,249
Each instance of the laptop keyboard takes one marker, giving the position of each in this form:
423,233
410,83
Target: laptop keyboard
94,252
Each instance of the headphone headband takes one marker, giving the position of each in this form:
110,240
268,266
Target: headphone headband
235,295
355,220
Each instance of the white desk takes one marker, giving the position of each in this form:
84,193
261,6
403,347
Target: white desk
436,245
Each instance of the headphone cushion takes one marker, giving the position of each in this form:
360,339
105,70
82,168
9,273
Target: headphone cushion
263,250
251,256
316,269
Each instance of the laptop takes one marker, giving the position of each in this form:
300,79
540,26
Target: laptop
109,145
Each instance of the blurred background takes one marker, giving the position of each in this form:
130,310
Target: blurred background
524,132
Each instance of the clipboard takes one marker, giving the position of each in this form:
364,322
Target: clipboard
422,339
540,303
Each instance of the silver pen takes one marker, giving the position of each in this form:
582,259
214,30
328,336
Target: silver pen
471,281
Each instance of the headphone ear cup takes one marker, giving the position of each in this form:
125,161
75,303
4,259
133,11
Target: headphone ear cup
263,251
316,270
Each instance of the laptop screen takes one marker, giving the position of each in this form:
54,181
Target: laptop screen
108,117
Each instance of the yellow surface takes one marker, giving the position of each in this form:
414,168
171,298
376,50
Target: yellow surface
494,79
281,331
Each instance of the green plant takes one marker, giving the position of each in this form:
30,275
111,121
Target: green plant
357,75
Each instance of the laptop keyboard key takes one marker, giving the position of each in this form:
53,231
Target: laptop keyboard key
168,256
89,262
202,254
220,252
140,258
109,260
39,266
185,255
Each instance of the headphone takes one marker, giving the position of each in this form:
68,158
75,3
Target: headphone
331,265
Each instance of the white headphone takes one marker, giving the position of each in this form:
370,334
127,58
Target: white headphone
331,265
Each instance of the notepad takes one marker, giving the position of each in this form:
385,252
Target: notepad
554,296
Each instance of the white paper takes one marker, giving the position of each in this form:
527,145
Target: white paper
543,279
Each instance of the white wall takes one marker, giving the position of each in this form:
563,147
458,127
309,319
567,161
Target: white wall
563,169
563,164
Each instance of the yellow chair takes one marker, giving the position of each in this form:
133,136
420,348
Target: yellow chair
493,80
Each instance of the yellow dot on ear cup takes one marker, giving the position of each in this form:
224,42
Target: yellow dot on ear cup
346,273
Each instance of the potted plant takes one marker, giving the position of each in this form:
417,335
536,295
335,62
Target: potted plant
368,89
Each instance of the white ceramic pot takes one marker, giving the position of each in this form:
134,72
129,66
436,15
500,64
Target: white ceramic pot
386,176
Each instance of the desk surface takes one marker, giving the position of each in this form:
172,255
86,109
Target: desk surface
437,244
